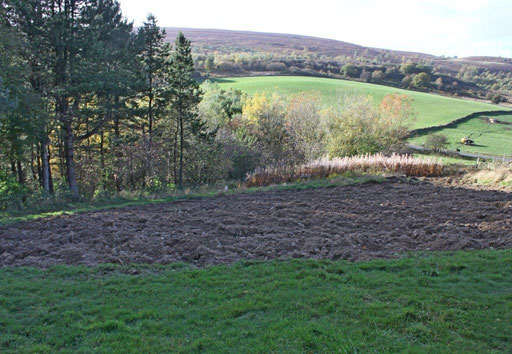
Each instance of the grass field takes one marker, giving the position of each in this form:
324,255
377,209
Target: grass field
439,303
491,139
430,109
447,160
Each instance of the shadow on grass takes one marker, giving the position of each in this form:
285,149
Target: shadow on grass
221,80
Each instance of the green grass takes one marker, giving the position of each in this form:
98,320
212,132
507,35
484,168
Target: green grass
447,160
431,109
490,139
447,303
49,210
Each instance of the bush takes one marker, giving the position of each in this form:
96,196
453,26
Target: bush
421,80
407,81
349,70
436,141
366,76
378,76
12,194
264,118
305,127
277,67
497,99
356,127
227,66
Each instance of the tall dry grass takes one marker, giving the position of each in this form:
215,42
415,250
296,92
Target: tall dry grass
324,167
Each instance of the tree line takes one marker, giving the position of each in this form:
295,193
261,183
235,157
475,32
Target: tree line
86,99
91,107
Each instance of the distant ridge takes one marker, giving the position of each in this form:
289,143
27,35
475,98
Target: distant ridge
227,41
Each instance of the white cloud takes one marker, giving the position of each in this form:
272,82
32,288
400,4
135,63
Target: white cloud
450,27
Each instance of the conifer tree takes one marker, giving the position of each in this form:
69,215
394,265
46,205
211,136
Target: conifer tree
154,56
185,96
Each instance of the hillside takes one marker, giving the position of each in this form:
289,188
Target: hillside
227,41
430,109
242,53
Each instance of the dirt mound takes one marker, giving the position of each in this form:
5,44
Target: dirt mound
355,223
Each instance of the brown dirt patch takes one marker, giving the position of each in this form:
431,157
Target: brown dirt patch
355,223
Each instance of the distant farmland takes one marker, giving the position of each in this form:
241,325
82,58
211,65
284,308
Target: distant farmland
430,109
490,138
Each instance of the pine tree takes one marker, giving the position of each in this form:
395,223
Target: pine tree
21,104
74,43
185,96
154,54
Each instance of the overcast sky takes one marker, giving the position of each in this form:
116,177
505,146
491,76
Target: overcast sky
441,27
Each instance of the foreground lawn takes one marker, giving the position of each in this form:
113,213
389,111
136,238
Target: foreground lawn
440,303
431,109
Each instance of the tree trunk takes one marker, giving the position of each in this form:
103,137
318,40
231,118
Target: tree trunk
150,126
45,161
13,168
70,162
115,148
33,166
175,165
21,175
102,152
181,151
39,165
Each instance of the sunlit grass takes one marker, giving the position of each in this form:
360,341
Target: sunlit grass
447,160
448,302
492,139
431,109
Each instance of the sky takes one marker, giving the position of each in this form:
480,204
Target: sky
441,27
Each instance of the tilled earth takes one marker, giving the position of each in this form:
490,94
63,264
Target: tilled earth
355,222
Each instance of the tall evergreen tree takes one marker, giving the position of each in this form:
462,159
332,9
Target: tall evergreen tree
78,38
154,54
18,128
31,17
185,96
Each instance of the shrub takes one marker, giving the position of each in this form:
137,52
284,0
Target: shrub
436,141
305,127
357,127
378,76
12,194
407,81
421,80
349,70
227,66
277,67
264,118
497,99
366,76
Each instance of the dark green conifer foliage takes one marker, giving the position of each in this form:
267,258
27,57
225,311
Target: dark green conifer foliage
185,96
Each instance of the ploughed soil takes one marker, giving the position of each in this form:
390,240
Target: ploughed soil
356,222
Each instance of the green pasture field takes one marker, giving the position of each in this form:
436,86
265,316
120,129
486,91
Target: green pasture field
490,138
430,109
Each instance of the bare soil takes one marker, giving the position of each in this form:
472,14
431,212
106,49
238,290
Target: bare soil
357,222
